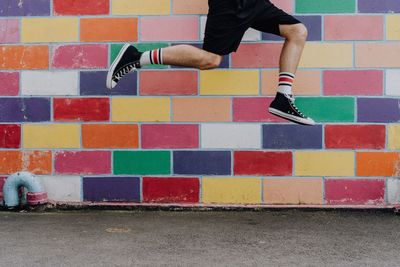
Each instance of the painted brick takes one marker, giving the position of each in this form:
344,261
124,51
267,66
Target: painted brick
355,136
110,136
201,109
92,83
49,83
111,189
202,162
9,85
10,136
81,7
238,136
24,109
393,190
293,191
316,163
355,191
109,29
394,136
393,27
18,57
229,82
11,161
81,109
9,31
140,109
253,109
378,110
257,55
62,188
36,162
313,24
82,162
142,162
168,82
320,108
286,5
325,6
2,182
193,7
262,163
379,55
231,190
307,82
25,8
169,136
351,27
44,30
393,82
378,6
80,57
171,190
51,136
139,7
292,137
327,55
186,28
353,82
378,164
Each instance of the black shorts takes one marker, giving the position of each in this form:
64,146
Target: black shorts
226,23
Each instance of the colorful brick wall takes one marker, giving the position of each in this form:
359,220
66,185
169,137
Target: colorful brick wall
175,135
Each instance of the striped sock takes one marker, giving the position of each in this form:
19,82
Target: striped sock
153,57
285,82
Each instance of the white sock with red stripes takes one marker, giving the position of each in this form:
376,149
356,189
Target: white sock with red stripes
285,82
153,57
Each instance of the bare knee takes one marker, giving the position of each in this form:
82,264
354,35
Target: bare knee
296,32
210,61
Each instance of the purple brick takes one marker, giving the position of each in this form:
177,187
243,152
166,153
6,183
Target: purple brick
24,109
292,137
117,189
24,8
313,24
202,162
378,6
94,83
378,109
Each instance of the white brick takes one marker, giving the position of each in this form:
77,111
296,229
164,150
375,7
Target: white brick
62,188
393,82
393,187
49,83
242,136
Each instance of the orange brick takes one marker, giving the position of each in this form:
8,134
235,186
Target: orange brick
201,109
37,162
109,29
378,164
379,55
24,57
190,7
10,162
110,136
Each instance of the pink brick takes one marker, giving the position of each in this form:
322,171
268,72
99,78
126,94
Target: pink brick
174,28
257,55
169,82
9,31
286,5
82,162
170,136
2,182
250,109
353,82
350,27
80,56
9,85
355,191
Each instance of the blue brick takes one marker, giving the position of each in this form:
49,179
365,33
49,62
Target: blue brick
202,162
111,189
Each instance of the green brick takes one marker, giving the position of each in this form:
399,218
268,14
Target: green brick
142,162
142,47
327,109
325,6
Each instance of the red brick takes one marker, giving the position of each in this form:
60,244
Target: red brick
168,82
82,162
2,182
355,191
257,56
253,109
171,190
263,163
355,136
10,136
91,56
81,7
170,136
81,109
9,85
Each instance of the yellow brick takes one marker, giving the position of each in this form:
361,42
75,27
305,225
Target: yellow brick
141,7
324,163
393,27
324,55
51,136
231,190
394,136
229,82
38,30
141,109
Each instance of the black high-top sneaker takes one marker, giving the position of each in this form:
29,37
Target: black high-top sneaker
127,61
284,107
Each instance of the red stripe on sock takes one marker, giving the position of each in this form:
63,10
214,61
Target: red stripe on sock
285,79
155,56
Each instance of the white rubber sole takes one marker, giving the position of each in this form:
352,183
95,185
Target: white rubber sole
110,83
295,119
